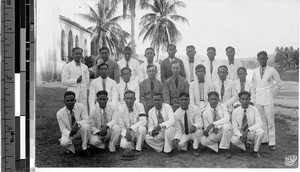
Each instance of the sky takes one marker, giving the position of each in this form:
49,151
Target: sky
249,26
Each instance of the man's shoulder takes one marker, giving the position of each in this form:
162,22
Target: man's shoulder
95,80
60,111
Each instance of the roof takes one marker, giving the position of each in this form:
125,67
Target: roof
74,24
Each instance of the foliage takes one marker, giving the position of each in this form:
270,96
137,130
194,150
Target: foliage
287,58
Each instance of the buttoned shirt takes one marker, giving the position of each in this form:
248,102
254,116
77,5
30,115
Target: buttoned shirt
131,85
230,94
208,115
214,76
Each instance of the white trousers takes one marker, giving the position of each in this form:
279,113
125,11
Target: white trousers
253,137
112,135
138,137
195,137
83,133
164,140
267,116
223,137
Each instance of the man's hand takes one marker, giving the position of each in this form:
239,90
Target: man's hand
205,132
128,135
156,130
192,129
243,138
103,130
175,143
79,79
74,129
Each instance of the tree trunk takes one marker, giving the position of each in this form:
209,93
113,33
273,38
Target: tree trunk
133,32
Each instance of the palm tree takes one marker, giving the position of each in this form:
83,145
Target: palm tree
107,32
158,26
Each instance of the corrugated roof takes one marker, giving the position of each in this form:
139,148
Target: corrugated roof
75,24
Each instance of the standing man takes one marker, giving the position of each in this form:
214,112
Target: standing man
174,85
161,128
75,76
189,124
166,64
247,125
148,87
131,63
190,63
211,64
217,128
149,54
200,88
73,122
104,124
232,64
132,120
102,83
265,90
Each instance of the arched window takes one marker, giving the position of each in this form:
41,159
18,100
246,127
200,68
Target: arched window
63,45
70,43
76,41
85,47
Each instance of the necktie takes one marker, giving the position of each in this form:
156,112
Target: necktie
186,125
127,65
231,63
191,60
126,88
152,85
72,118
216,115
211,67
103,84
104,117
176,82
242,86
222,91
262,72
201,90
130,110
245,121
160,119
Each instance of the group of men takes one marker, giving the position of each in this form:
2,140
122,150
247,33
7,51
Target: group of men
169,105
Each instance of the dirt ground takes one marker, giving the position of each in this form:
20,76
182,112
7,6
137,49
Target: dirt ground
50,154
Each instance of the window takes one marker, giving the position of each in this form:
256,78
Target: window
63,45
76,41
70,43
85,48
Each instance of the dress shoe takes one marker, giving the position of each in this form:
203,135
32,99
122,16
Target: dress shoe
137,152
87,153
170,154
228,154
196,153
272,147
256,155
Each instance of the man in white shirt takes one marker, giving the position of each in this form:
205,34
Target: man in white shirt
265,90
217,128
189,124
131,63
75,76
104,124
211,64
149,54
232,63
132,121
200,87
73,122
103,82
161,128
127,84
190,63
247,125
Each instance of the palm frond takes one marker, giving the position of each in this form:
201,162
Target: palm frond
179,18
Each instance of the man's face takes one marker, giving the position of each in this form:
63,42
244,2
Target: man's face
222,72
245,100
230,54
149,54
213,101
70,101
242,75
171,51
211,54
190,52
184,102
175,69
77,55
129,99
103,71
126,74
262,60
200,73
104,55
157,101
127,54
102,100
151,72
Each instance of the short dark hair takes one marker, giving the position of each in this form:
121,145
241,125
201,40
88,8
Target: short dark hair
190,46
129,92
211,48
229,47
174,62
243,93
213,93
127,48
102,92
169,45
68,93
102,64
76,48
149,48
151,65
158,94
223,66
199,66
186,94
262,53
104,48
125,68
242,68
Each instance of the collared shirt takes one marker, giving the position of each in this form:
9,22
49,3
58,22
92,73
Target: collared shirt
208,115
131,85
134,65
232,68
192,73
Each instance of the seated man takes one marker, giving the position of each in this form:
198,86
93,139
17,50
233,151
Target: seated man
104,124
161,126
132,121
217,128
73,122
189,124
247,125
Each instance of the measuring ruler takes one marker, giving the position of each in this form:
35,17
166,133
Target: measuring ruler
8,85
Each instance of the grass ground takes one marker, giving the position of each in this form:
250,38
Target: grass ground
50,154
